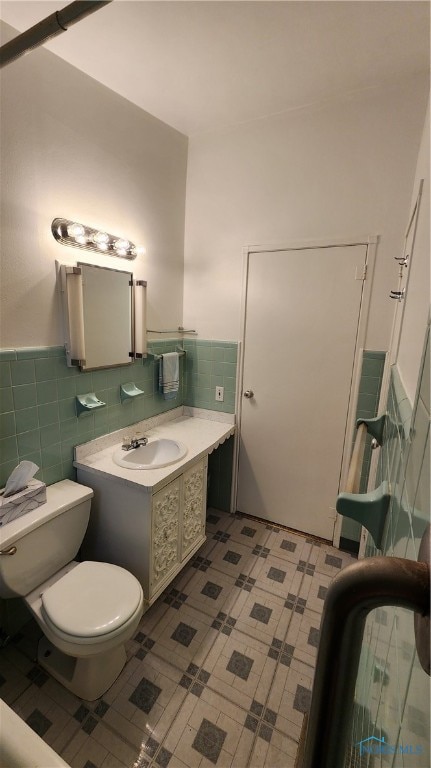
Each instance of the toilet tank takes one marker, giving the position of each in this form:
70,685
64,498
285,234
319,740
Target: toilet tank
39,543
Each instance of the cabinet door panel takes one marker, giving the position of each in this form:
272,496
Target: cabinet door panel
193,526
193,481
194,502
165,532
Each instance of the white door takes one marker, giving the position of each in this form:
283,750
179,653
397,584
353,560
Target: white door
301,326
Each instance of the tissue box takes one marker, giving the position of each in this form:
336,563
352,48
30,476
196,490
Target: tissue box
23,501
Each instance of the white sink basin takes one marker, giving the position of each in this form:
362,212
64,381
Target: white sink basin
157,453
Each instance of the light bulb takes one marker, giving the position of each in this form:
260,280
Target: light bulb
100,237
81,239
121,251
122,245
75,230
102,246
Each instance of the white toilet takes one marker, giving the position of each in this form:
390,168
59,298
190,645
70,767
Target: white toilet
87,611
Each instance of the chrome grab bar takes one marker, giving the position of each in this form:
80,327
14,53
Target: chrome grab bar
360,588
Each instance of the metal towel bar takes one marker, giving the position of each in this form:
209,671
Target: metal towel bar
180,329
356,461
181,353
375,427
368,509
358,589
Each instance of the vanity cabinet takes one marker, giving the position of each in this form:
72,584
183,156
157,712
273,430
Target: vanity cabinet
153,535
178,523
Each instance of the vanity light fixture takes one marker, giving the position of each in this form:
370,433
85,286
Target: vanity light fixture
80,236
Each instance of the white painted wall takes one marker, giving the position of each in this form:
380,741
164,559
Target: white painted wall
71,147
417,300
344,168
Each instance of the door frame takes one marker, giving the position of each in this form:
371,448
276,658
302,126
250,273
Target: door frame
370,242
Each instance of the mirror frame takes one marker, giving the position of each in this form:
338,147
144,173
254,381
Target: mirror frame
71,287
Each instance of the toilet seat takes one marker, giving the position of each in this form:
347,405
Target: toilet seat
91,601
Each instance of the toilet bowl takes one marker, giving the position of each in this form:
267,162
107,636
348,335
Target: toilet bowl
86,611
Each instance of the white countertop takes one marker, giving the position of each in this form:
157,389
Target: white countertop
200,435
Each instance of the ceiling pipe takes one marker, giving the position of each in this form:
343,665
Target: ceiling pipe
44,30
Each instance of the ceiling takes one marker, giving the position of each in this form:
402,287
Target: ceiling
200,66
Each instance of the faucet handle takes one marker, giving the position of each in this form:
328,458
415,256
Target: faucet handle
135,441
126,442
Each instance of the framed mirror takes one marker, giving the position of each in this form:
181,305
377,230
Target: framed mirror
104,312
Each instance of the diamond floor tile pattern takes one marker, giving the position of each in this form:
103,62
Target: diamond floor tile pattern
219,672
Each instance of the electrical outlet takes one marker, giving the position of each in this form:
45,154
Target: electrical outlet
219,395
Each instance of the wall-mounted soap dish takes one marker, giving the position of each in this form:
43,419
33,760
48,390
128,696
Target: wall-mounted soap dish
87,403
129,391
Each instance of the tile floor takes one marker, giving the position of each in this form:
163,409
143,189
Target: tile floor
219,672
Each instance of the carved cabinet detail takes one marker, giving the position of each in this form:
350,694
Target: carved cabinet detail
177,525
194,497
165,525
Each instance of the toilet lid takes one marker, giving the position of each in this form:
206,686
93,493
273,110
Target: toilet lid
92,599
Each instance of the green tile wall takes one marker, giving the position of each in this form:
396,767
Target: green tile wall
392,691
373,363
38,418
210,364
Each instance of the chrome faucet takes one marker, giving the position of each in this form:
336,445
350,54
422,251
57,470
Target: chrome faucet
137,441
134,442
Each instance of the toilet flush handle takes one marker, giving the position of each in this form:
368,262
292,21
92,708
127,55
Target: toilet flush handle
8,551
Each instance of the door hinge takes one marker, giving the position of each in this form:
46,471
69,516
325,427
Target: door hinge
361,272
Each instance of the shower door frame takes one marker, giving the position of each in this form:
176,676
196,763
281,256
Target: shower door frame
370,242
394,342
